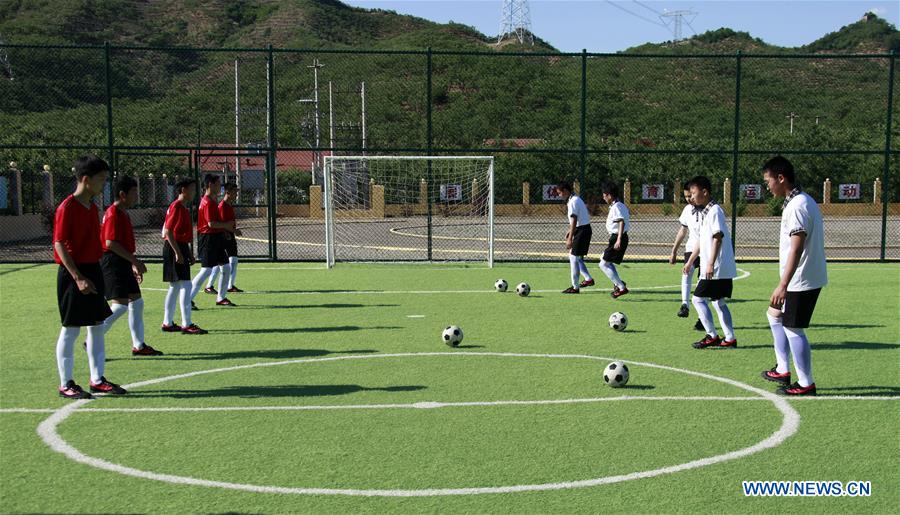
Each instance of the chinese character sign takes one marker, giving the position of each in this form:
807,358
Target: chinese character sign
848,192
451,192
751,192
652,191
550,192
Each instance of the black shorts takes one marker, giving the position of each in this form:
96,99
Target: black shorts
75,308
230,245
581,240
172,271
611,255
211,250
798,308
118,277
687,255
714,289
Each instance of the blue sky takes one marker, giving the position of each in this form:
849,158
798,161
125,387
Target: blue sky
571,25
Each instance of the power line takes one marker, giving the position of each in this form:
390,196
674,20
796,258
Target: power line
648,20
645,6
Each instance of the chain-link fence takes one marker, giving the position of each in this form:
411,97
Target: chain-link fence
267,118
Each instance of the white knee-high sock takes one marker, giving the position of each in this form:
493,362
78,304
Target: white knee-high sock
802,355
233,261
724,318
573,270
212,276
96,352
686,286
65,354
117,311
705,315
610,270
780,341
171,301
582,267
184,299
197,283
136,322
223,281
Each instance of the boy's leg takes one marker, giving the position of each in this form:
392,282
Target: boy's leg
779,341
802,354
582,267
171,301
686,286
573,270
705,315
233,261
118,308
185,289
65,354
197,283
96,352
136,322
724,318
223,281
212,276
610,270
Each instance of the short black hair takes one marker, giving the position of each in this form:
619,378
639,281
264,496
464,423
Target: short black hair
89,166
687,185
702,182
230,186
611,189
124,185
779,165
564,185
184,182
209,179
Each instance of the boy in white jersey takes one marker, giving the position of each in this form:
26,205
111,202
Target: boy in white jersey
617,224
801,264
690,227
719,268
578,237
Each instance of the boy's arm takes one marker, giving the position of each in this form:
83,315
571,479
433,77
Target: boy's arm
139,267
682,231
686,269
570,235
170,238
619,235
714,255
85,285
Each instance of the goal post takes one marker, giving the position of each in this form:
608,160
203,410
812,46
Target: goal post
409,208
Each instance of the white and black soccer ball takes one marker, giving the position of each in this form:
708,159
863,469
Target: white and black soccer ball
523,289
501,285
618,321
452,336
616,374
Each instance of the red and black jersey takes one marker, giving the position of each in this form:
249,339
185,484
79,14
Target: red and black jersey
226,212
78,228
178,220
208,212
117,227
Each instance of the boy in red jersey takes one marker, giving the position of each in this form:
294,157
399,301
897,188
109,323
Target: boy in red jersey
79,280
177,259
211,241
226,213
122,270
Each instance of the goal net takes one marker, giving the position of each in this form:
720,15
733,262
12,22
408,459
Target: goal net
409,208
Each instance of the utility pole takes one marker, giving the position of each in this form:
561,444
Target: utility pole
676,18
515,22
237,133
791,118
315,101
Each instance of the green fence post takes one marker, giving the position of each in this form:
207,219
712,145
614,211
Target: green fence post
583,118
429,144
109,109
886,173
734,150
272,142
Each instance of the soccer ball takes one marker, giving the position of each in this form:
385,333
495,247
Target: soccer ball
501,285
618,321
523,289
616,374
452,336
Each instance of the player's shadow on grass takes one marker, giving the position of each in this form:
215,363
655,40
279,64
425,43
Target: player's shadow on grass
862,391
669,301
308,306
256,354
20,268
815,325
839,346
258,392
291,330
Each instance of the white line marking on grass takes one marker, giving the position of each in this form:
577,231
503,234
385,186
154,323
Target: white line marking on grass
47,430
415,316
744,274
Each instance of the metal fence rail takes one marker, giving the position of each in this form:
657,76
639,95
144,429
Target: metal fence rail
267,117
